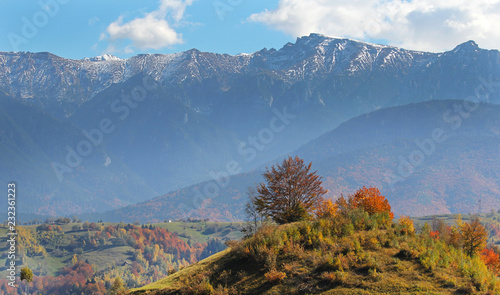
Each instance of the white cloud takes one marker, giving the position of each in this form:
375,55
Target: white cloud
433,25
155,30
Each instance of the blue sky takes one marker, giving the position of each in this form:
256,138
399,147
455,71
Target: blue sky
85,28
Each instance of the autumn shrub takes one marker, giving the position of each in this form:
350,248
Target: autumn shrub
329,277
357,246
337,262
375,275
479,274
359,219
225,290
405,225
197,284
429,259
274,276
292,250
262,247
370,241
290,267
371,262
327,209
491,260
334,278
448,281
346,245
341,277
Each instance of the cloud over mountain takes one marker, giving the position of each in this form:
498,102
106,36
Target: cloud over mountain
155,30
418,24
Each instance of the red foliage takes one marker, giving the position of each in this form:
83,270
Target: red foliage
72,280
434,234
491,259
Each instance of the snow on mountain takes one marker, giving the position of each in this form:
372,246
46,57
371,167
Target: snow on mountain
104,57
64,84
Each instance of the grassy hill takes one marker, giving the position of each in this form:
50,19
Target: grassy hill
351,254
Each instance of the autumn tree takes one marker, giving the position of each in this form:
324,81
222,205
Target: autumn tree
27,276
118,287
370,200
474,236
327,209
291,192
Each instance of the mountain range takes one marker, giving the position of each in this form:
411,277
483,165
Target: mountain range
159,123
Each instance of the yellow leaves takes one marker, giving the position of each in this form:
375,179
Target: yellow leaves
122,232
459,221
406,225
274,276
327,209
28,242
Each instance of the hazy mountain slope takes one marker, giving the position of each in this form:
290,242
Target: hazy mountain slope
405,122
167,143
32,140
210,109
218,200
453,179
448,176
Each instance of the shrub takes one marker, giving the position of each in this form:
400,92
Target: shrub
199,284
329,277
326,209
225,290
406,226
274,276
292,250
375,275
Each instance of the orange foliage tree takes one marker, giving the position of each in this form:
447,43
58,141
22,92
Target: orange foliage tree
491,259
370,200
474,236
291,191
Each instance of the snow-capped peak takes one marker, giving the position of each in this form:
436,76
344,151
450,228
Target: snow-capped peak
103,57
